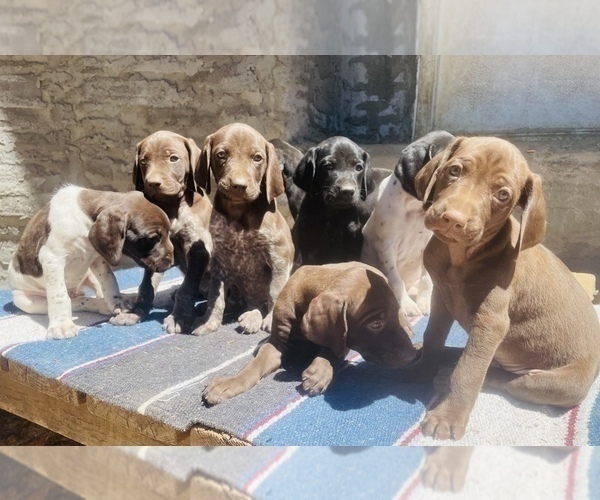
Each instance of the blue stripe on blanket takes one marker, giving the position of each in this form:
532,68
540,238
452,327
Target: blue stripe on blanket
53,358
359,473
371,407
594,472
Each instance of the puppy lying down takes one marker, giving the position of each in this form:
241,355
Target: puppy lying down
71,244
335,307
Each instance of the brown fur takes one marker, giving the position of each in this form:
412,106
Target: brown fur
525,313
164,168
34,236
334,307
253,247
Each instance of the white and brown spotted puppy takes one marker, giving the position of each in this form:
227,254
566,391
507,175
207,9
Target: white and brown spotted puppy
164,168
253,247
73,241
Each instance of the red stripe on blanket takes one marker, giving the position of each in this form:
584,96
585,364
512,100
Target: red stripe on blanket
259,476
572,422
408,490
570,491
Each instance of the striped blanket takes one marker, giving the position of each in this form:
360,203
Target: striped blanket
142,369
381,472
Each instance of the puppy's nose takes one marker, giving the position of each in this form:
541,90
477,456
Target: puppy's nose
153,182
453,219
239,184
347,191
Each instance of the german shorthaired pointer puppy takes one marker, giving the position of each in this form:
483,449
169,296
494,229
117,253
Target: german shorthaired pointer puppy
533,331
253,247
395,235
341,191
328,309
164,169
72,242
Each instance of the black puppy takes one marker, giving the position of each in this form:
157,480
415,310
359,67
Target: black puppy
417,154
341,191
289,157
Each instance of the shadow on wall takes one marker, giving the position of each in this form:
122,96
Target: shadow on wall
77,119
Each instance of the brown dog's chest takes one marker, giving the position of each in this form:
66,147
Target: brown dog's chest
241,257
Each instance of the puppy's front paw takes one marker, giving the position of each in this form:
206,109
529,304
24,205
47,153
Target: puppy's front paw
171,324
62,329
218,390
445,469
267,322
444,423
409,307
204,329
317,377
251,321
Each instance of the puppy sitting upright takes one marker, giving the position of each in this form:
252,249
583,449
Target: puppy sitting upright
525,313
73,241
253,247
164,168
331,308
395,235
341,191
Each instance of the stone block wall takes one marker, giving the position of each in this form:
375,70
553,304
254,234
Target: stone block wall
77,119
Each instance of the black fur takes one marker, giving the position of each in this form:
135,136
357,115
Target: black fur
341,191
289,157
417,154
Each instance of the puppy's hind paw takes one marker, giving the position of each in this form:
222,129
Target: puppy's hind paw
64,329
125,318
410,308
218,390
441,423
251,321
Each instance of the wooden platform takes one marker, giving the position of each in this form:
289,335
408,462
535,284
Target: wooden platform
89,421
96,472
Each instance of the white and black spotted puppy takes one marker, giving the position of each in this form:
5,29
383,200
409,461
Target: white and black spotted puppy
71,244
395,235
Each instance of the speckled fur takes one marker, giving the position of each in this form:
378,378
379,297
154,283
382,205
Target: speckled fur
252,244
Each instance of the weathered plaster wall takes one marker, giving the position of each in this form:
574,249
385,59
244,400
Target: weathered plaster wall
69,119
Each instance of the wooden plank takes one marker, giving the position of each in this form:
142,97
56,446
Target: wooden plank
73,421
205,436
138,423
52,387
100,472
202,487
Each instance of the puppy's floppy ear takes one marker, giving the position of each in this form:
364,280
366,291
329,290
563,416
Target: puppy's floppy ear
325,323
368,183
194,154
273,176
304,174
533,221
107,234
426,178
138,179
202,174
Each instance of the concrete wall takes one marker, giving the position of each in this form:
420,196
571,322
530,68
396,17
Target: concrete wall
68,119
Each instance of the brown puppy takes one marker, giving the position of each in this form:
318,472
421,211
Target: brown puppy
335,307
164,168
253,247
524,311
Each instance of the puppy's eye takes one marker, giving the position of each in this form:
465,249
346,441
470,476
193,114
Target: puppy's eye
221,155
327,165
455,170
503,195
375,325
173,158
359,167
143,161
257,157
